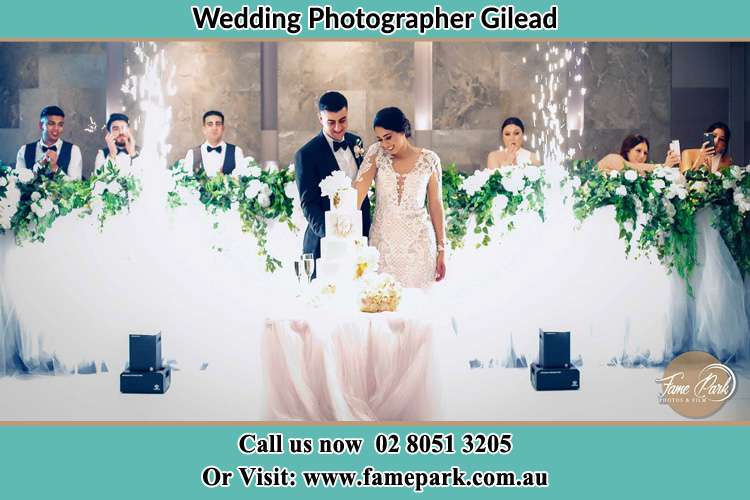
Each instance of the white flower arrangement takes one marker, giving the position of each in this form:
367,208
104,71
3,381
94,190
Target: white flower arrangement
621,191
476,181
335,182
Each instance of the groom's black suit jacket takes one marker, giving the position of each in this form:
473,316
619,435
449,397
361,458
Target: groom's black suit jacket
314,162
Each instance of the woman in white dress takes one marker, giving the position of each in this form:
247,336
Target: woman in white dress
409,225
512,151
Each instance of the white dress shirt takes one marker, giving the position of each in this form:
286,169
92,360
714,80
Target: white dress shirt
74,167
214,161
124,161
345,159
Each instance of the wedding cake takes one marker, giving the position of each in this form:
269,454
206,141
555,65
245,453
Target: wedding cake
343,251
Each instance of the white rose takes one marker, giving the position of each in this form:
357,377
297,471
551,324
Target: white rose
273,168
659,185
37,209
114,187
253,188
631,175
99,188
265,189
737,172
290,189
25,175
614,174
621,190
290,167
729,184
264,200
3,182
670,209
35,196
254,171
699,187
47,206
499,203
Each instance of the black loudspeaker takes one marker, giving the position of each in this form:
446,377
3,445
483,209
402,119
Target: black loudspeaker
555,379
156,382
145,353
554,349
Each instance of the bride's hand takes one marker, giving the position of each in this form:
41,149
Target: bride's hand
440,266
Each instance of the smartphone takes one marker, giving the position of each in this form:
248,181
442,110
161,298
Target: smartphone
709,138
674,146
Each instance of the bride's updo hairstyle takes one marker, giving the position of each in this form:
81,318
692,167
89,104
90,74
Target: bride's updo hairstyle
392,119
512,121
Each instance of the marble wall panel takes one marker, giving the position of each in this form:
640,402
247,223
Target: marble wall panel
628,91
371,75
210,75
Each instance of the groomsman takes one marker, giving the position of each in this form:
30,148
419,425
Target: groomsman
120,143
51,151
332,149
215,155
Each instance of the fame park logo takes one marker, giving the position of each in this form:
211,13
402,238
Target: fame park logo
696,385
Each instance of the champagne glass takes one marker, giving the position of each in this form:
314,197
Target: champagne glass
308,264
298,272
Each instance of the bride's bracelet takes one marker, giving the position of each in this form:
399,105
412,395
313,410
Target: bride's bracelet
440,247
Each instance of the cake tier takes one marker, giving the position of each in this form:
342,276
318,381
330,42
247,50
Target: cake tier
343,224
344,200
332,247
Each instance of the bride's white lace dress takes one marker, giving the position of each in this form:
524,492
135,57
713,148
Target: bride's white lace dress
402,230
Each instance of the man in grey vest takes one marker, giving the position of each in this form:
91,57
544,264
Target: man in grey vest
51,152
215,155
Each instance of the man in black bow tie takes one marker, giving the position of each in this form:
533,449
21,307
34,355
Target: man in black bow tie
332,149
215,155
121,146
51,152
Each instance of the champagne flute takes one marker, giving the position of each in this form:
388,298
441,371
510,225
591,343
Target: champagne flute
298,272
308,261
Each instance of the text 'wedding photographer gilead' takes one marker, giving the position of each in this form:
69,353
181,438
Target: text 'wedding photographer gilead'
265,18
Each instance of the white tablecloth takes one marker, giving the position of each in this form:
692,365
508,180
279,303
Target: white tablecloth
339,365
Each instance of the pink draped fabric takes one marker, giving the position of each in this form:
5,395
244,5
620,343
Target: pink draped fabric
363,367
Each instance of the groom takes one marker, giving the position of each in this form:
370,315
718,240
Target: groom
332,149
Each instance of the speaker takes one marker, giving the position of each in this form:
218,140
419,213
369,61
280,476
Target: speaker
555,379
156,382
554,349
145,353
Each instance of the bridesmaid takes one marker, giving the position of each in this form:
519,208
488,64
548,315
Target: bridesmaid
512,152
634,155
714,156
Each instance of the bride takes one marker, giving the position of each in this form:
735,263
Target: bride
409,234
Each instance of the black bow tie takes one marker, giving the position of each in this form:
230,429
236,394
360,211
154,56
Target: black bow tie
339,145
122,150
51,148
217,149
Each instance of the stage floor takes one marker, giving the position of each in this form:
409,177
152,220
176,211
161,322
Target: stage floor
230,394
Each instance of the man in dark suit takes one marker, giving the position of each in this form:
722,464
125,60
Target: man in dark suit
332,149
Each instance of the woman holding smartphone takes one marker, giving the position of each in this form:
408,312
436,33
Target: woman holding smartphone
634,155
714,152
